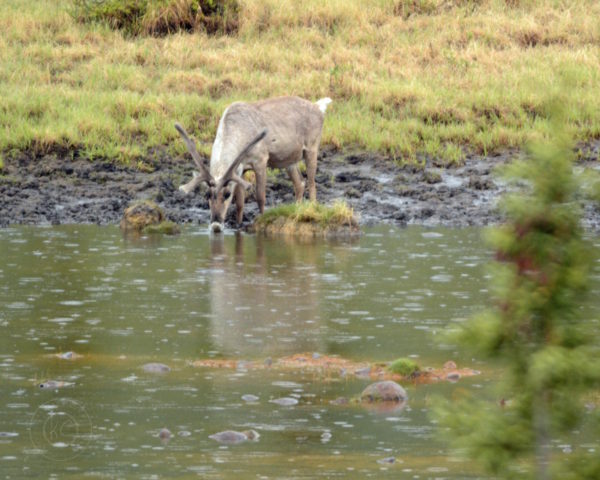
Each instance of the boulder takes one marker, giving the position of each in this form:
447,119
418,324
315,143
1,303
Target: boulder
386,391
156,368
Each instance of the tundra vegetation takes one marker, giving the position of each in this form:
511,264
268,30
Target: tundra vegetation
544,405
404,367
409,78
307,218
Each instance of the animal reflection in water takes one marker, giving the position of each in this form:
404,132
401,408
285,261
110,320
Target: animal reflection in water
264,306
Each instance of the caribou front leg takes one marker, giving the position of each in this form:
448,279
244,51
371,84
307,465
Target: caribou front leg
240,196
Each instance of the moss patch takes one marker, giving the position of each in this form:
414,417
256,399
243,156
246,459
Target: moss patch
310,219
166,228
404,367
146,217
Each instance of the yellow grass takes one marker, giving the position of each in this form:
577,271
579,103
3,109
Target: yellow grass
408,77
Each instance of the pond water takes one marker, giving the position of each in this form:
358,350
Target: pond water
121,303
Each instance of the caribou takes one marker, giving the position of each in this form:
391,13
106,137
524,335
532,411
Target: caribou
275,133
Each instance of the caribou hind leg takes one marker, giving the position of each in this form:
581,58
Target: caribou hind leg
310,158
296,179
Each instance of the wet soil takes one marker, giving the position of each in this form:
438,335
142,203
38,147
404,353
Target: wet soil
58,189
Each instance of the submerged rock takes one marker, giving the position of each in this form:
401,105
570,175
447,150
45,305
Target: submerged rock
164,435
449,365
386,391
232,437
156,368
363,372
68,355
285,401
250,398
54,384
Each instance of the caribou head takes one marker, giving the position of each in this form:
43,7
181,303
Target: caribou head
220,190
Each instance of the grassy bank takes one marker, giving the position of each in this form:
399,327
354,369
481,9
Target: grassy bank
406,76
308,219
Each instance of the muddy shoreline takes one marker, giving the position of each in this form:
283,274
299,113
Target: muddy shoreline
56,189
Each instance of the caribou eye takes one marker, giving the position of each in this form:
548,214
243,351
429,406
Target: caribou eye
207,195
227,194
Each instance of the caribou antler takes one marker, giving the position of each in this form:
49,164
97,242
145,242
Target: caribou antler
230,175
192,184
205,175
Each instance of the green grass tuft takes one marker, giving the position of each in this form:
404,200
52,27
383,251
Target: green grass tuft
404,367
308,219
337,215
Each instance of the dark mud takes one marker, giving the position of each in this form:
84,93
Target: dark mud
58,189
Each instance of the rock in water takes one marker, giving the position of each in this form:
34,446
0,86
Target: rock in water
449,365
250,398
285,401
54,384
68,355
232,437
156,368
386,391
146,217
139,215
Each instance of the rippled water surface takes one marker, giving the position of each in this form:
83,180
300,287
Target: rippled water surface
121,303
